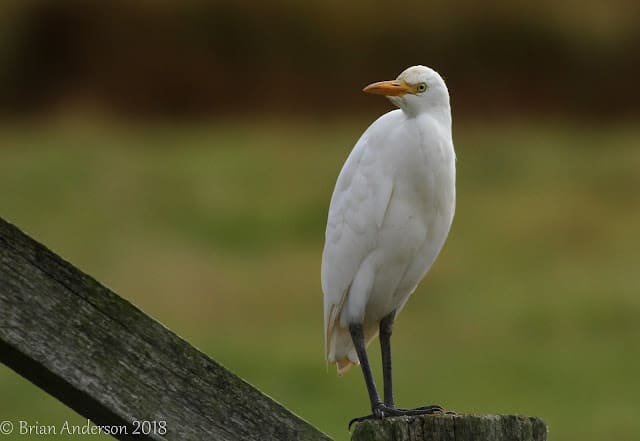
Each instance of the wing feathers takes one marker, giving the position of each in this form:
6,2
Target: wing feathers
350,235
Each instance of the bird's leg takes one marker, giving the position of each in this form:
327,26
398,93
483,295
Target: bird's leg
389,409
378,409
357,335
386,328
386,409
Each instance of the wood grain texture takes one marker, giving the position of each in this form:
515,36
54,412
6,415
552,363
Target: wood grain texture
103,357
452,428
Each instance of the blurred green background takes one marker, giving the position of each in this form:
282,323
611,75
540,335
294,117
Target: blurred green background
184,154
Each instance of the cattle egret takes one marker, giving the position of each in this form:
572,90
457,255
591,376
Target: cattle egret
389,217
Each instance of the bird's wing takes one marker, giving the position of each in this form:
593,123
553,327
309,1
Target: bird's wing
356,213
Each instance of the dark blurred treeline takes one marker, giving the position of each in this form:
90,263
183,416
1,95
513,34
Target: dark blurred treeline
192,59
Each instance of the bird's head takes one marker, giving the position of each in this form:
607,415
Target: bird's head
416,90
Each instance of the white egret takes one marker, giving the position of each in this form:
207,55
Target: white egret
390,214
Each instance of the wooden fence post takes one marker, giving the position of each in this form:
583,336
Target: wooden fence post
452,428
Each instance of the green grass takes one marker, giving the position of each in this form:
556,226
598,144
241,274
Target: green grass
532,308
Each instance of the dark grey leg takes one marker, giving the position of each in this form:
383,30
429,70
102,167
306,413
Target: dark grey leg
386,328
357,335
379,409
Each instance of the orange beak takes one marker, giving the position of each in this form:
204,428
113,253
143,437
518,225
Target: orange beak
388,88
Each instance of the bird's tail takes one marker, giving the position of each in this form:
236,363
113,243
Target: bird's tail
342,352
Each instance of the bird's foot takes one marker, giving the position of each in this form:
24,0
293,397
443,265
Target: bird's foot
381,411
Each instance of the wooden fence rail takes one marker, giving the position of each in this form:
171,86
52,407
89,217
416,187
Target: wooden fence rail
106,359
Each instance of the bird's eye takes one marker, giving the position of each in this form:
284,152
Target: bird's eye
421,87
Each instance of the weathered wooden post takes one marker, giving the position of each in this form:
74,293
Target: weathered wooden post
452,428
